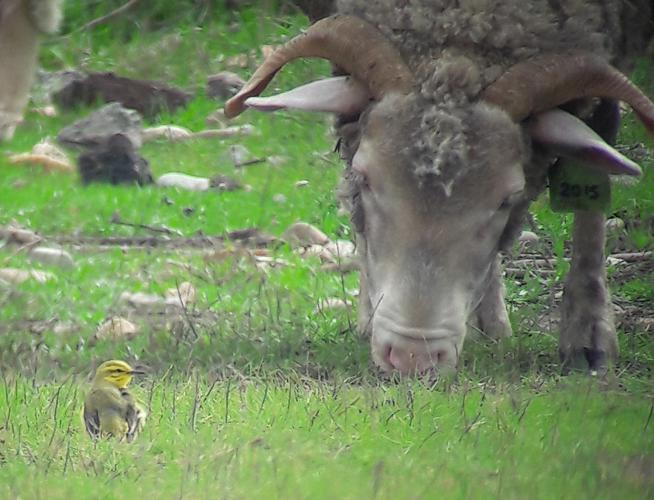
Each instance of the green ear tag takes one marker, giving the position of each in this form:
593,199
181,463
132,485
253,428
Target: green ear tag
575,187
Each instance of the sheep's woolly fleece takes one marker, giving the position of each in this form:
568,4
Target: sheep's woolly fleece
45,15
458,47
491,34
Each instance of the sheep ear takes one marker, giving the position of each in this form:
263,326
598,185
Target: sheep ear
341,94
566,135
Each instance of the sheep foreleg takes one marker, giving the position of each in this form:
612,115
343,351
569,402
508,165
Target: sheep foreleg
588,337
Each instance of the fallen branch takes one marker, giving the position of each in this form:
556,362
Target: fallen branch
155,229
545,262
343,267
540,262
223,132
107,17
175,133
634,256
246,163
251,237
25,247
516,272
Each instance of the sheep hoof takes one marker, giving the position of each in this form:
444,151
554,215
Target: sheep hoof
593,349
595,362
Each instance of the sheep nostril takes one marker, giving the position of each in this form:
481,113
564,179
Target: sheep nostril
387,356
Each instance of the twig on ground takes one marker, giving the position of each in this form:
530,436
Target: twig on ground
185,311
155,229
547,262
251,237
517,272
519,263
25,247
633,256
107,17
253,161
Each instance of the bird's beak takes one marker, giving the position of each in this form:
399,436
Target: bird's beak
137,372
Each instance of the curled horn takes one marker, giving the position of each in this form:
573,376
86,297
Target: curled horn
350,43
549,80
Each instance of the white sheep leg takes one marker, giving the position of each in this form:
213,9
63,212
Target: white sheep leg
18,48
491,315
21,23
588,337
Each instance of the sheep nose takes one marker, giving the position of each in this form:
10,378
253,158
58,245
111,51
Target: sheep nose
409,361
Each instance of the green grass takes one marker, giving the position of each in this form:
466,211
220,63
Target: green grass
257,393
291,437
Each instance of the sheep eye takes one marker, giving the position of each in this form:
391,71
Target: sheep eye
506,204
338,145
361,180
511,200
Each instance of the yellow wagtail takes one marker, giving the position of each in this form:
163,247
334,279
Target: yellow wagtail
109,408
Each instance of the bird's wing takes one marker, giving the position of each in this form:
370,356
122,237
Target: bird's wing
92,422
101,408
135,416
135,422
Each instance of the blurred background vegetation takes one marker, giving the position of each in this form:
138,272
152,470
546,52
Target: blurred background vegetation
248,319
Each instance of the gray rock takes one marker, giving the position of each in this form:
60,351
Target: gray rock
224,85
528,239
100,125
239,154
116,161
341,249
614,226
301,234
225,183
278,160
184,181
147,97
18,276
13,233
53,256
167,132
49,83
115,328
141,300
217,118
